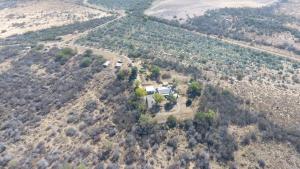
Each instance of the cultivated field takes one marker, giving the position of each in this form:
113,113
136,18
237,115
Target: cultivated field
171,9
36,15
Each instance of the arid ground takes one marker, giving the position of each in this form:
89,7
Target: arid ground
36,15
168,9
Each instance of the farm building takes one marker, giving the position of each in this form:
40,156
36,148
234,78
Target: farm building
106,64
118,65
150,90
165,91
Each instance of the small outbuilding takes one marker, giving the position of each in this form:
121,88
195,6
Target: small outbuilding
106,64
165,84
150,90
165,91
118,65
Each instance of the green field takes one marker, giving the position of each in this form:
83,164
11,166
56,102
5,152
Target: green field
141,37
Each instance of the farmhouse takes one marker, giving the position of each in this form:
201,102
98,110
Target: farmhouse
165,91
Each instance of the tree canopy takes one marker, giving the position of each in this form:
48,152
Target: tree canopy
140,92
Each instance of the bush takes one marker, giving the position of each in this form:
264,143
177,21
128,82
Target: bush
261,163
194,89
207,117
158,98
145,124
86,62
2,148
88,53
70,132
155,73
173,142
140,92
188,102
171,121
64,55
39,47
133,74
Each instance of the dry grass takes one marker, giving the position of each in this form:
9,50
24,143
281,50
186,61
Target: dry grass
183,9
36,15
6,65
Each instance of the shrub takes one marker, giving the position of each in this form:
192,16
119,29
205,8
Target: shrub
140,92
261,163
173,142
39,47
194,89
137,84
155,72
42,164
145,124
158,98
86,62
133,74
246,140
122,74
88,53
239,76
70,132
64,55
81,166
188,102
172,99
2,148
171,121
208,117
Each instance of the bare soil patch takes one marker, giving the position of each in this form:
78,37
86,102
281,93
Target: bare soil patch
36,15
168,9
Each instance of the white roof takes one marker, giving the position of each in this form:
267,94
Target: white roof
164,90
118,64
106,63
150,89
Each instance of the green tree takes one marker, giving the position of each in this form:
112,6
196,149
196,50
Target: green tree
146,119
88,53
64,55
134,73
171,121
155,72
206,117
121,75
172,99
140,92
137,84
158,98
86,62
194,89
